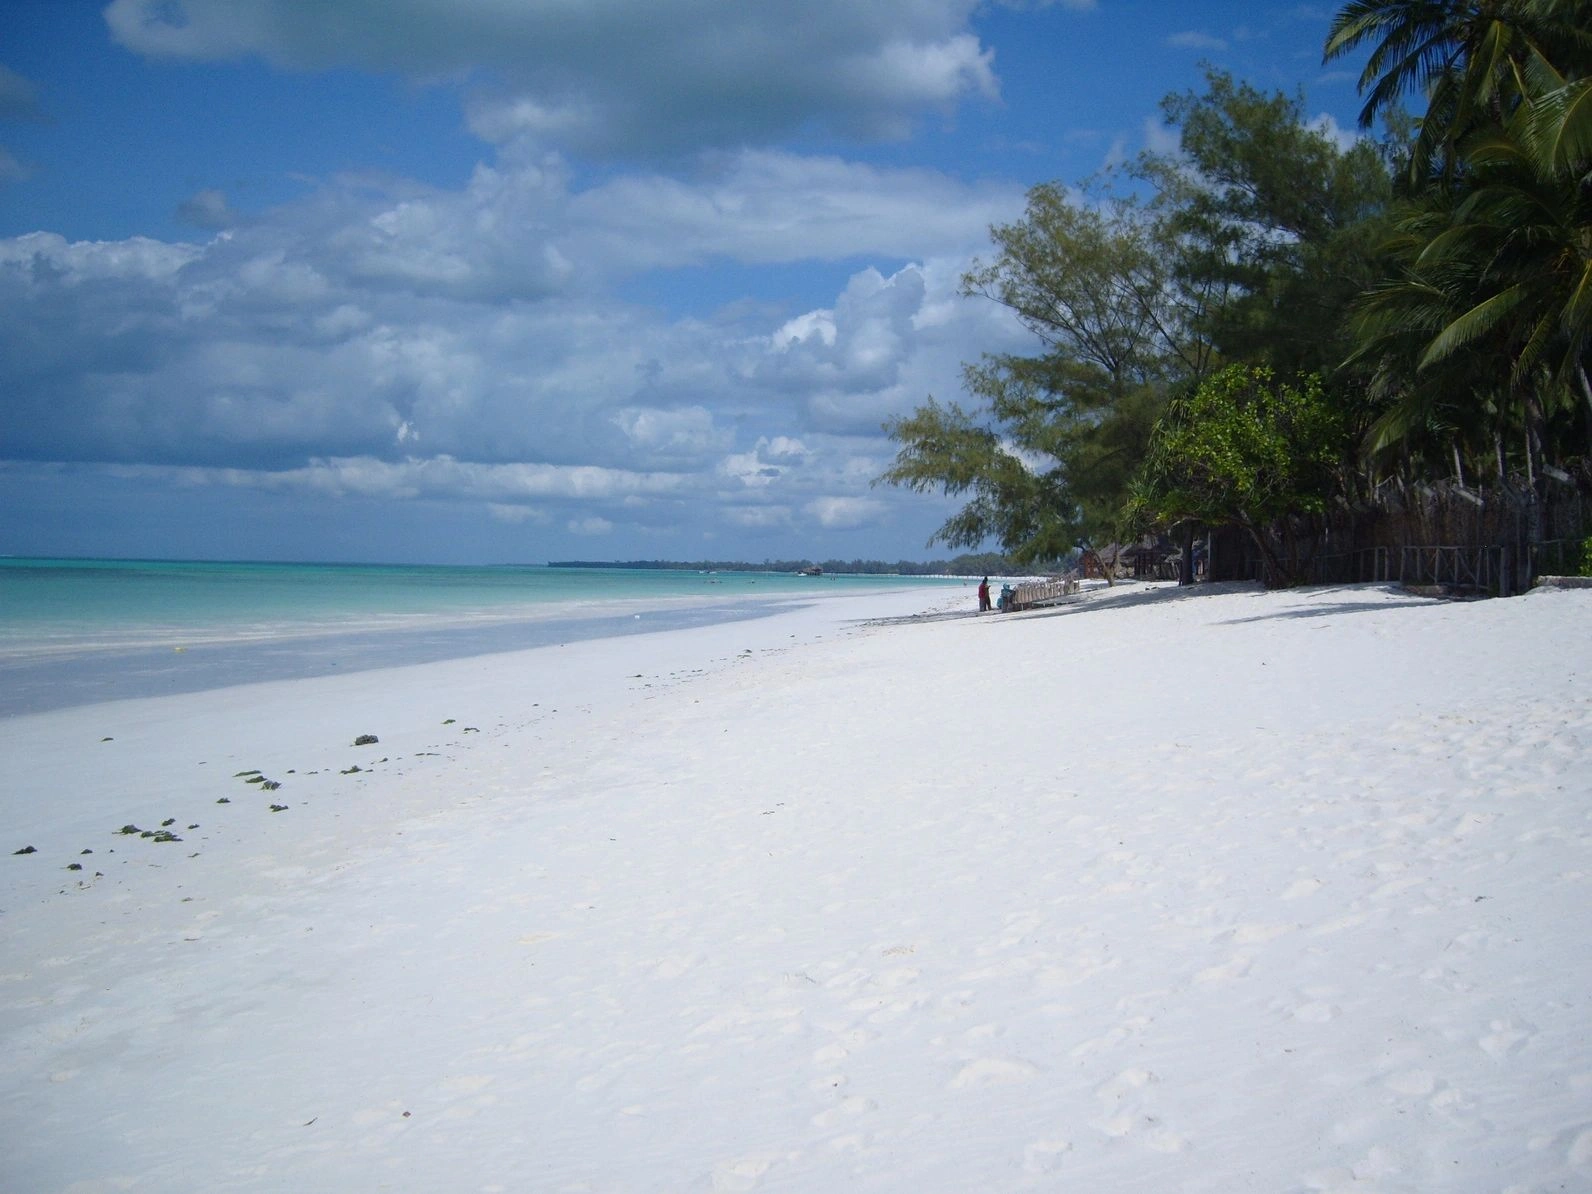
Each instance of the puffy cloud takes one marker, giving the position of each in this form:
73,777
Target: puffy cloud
496,485
1195,40
819,325
367,319
859,344
684,436
763,207
206,209
74,263
760,467
1328,127
1161,138
844,513
379,340
784,448
632,76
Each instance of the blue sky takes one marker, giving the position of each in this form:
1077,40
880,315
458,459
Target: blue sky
467,281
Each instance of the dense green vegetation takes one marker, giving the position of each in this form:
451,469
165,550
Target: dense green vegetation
1267,324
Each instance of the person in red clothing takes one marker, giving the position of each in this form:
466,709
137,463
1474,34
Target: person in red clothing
983,595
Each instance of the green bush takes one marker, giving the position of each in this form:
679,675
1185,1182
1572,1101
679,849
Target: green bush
1585,568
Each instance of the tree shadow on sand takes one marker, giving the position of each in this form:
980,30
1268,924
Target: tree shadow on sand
1128,594
1328,600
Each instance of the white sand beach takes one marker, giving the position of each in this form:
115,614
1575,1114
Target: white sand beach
1161,891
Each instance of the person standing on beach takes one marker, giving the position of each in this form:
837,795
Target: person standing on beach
983,595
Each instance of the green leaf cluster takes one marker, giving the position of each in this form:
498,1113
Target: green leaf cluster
1246,247
1473,347
1266,322
1044,457
1245,449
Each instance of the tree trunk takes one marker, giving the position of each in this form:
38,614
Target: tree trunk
1536,479
1586,392
1185,570
1273,566
1090,553
1536,425
1290,546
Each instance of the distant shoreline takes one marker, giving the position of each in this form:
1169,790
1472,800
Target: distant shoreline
962,566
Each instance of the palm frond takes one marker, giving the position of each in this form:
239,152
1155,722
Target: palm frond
1473,324
1561,127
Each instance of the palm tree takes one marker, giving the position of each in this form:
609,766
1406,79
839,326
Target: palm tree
1495,253
1525,228
1426,413
1462,57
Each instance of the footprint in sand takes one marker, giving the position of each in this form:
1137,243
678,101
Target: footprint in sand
1123,1112
1255,934
1163,1140
1505,1037
843,1045
1580,1150
1235,967
848,1108
993,1071
1045,1156
1316,1012
1472,822
1411,1082
1111,1038
1127,1082
1351,920
678,964
848,980
885,1012
1120,1112
744,1173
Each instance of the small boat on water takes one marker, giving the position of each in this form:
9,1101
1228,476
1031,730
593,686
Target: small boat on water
810,570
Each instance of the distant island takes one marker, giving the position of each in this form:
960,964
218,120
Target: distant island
978,564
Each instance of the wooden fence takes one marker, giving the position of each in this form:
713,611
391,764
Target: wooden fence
1496,541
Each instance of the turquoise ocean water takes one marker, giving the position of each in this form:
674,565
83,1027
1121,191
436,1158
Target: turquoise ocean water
77,631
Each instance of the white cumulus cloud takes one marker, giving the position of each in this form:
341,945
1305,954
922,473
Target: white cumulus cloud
382,339
633,76
843,513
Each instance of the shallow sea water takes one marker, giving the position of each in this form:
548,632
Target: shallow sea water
74,632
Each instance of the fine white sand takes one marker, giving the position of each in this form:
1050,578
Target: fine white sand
1222,891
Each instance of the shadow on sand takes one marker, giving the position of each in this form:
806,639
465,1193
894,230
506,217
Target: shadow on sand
1126,594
